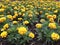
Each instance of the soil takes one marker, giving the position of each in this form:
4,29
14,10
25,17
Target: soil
33,43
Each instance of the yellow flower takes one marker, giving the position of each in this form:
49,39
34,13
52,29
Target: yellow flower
19,19
2,10
3,29
3,6
49,8
49,16
4,34
2,19
41,12
23,10
20,13
55,11
42,20
15,8
52,25
6,26
15,22
12,4
44,8
23,14
36,13
10,17
16,14
46,14
51,20
30,18
26,22
55,36
32,35
30,15
1,15
54,16
38,25
14,17
22,30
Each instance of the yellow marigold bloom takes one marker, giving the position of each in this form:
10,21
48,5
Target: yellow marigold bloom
3,6
6,26
2,10
2,19
12,4
46,14
15,8
14,17
36,13
38,25
42,20
20,13
55,36
23,14
30,18
10,17
32,35
49,16
26,22
52,25
4,34
44,8
23,10
19,19
1,15
16,14
41,12
30,15
54,16
51,20
58,6
22,30
15,22
49,8
3,29
55,11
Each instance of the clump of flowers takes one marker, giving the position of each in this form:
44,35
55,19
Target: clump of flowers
22,21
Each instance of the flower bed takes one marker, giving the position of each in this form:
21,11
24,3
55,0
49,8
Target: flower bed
32,23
